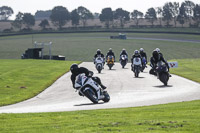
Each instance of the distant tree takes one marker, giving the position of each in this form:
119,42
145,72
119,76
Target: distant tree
106,16
136,16
151,15
84,14
182,15
59,16
28,20
41,15
189,6
75,17
44,23
5,12
167,13
196,15
18,22
175,11
159,12
122,15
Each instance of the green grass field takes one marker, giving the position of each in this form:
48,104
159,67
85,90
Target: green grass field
23,79
82,47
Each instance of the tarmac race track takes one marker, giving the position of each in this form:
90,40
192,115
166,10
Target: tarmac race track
125,91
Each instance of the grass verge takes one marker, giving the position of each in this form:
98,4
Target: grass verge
23,79
188,68
177,117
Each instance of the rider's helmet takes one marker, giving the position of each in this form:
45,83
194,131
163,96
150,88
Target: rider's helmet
73,68
110,49
98,51
158,50
136,52
123,50
141,50
155,54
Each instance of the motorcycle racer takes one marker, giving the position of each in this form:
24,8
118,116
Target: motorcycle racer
75,70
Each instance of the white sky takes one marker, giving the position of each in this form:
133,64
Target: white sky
31,6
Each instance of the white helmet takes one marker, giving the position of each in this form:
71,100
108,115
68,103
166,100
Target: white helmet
158,50
141,49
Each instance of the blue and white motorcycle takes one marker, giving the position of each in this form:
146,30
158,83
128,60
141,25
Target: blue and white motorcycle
99,63
136,66
86,86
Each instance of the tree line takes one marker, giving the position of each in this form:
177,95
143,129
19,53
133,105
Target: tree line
187,11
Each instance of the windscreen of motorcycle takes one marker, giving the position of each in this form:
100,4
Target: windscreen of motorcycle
123,57
99,60
137,61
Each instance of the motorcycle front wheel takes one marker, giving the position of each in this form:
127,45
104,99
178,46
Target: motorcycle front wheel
164,78
90,94
106,96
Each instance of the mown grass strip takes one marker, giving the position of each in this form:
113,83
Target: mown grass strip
23,79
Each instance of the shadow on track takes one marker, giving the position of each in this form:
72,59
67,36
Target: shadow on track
163,86
138,77
112,69
85,104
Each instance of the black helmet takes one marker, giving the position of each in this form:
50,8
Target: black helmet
123,50
98,51
73,68
155,54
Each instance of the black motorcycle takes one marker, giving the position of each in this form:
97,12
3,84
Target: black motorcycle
144,64
163,74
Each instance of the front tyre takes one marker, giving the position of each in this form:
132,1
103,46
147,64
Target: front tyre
90,94
106,97
164,78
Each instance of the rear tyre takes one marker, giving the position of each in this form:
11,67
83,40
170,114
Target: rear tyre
90,94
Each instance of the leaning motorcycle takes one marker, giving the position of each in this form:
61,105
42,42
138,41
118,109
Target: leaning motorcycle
136,66
144,64
110,61
87,87
99,62
163,74
123,60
